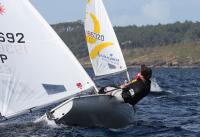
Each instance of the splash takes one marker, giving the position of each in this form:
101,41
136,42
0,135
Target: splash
154,86
44,118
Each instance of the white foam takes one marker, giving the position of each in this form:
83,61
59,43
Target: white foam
50,123
192,127
195,94
154,86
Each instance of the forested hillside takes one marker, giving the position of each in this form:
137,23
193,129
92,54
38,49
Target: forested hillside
175,44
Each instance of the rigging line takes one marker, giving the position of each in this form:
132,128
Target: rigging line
128,76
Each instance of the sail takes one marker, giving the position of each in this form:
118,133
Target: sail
36,67
104,50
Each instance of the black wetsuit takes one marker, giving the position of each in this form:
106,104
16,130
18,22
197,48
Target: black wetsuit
139,87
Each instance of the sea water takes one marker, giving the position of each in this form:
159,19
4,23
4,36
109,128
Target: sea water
171,110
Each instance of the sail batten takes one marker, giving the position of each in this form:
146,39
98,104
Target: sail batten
104,49
36,67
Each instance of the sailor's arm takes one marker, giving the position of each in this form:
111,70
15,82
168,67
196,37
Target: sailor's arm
127,84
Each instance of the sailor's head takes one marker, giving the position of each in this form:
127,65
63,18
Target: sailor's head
146,72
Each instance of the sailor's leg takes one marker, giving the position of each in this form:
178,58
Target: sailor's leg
118,94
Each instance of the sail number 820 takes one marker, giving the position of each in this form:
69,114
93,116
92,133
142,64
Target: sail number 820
95,35
12,38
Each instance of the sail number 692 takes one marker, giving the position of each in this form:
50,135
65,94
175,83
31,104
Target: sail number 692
12,38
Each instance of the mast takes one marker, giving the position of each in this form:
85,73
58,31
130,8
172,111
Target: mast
128,76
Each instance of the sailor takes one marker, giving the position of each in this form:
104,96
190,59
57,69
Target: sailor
135,90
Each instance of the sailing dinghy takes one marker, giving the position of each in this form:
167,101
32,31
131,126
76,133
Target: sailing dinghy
37,69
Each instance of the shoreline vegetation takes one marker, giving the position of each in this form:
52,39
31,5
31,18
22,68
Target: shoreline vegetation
88,65
174,45
181,55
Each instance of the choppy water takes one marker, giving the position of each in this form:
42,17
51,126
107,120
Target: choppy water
173,110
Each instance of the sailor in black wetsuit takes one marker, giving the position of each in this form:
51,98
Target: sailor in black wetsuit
135,90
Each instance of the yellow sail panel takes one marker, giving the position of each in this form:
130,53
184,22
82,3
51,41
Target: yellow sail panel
96,30
94,53
88,1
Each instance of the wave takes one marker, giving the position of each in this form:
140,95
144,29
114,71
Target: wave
192,127
194,94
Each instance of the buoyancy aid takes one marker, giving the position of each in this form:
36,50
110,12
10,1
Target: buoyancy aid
137,75
136,90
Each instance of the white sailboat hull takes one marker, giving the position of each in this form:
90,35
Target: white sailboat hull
93,110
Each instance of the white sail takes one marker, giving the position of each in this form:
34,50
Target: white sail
36,67
104,50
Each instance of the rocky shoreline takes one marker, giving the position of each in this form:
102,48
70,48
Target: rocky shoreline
88,65
152,63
